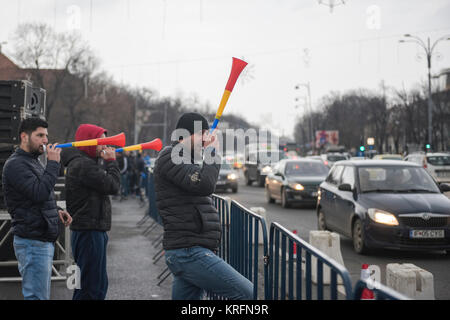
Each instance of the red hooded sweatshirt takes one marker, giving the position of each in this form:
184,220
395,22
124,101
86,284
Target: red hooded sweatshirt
86,132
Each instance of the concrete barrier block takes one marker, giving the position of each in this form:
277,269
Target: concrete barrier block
410,280
329,243
262,212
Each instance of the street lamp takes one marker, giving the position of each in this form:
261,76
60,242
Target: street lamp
429,52
307,86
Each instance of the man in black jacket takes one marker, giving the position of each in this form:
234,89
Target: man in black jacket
88,186
29,197
191,223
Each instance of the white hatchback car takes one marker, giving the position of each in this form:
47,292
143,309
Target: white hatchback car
437,164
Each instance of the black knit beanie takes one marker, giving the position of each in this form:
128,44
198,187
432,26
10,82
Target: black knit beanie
188,120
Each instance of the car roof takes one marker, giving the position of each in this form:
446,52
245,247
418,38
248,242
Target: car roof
375,163
302,160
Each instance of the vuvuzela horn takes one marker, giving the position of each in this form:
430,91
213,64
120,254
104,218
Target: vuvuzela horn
155,144
236,69
117,140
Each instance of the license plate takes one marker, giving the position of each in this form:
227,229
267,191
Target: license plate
426,234
221,182
443,174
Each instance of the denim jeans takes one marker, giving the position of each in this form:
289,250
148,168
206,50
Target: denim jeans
89,253
35,266
198,269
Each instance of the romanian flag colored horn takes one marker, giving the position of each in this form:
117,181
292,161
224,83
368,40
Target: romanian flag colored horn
236,69
155,144
117,140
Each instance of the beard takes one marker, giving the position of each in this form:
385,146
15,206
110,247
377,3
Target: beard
35,149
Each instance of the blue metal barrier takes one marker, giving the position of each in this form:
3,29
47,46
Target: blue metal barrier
381,292
244,245
278,291
223,209
151,194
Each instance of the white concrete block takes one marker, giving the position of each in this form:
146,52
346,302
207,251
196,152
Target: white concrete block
329,243
410,280
262,212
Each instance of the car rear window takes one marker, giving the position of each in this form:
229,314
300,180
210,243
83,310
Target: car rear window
439,160
336,158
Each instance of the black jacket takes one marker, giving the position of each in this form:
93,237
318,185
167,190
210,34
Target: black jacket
88,186
183,197
29,196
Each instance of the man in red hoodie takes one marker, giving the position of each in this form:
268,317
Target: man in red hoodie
89,182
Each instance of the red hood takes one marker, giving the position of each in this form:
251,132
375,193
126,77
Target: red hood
86,132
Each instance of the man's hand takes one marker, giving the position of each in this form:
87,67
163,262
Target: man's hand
108,154
65,217
212,141
53,153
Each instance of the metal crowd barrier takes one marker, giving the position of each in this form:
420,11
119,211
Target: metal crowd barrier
284,267
244,245
62,257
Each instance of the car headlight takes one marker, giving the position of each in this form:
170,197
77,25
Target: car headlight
383,217
266,169
297,186
232,176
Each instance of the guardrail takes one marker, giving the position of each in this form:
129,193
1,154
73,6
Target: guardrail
284,266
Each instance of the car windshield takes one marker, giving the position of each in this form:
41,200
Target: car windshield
391,158
395,179
335,158
439,160
305,168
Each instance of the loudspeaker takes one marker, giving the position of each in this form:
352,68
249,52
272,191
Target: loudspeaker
18,100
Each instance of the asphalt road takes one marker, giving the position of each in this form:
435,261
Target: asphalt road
303,219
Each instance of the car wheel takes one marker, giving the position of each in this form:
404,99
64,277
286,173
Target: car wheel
321,224
261,180
247,180
359,238
268,197
284,201
235,189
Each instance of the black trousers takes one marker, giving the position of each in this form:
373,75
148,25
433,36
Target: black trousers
89,252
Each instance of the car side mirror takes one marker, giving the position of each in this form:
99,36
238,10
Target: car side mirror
445,187
345,187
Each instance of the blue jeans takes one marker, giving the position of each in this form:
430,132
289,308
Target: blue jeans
35,266
198,269
89,253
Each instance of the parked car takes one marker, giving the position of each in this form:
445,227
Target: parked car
295,181
385,204
228,178
387,157
330,158
259,164
437,164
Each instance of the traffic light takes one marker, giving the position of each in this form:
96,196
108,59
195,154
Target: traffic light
362,148
428,146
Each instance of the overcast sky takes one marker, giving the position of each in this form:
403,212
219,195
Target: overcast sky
184,47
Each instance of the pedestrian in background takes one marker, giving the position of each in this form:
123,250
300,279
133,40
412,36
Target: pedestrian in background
192,229
88,186
35,218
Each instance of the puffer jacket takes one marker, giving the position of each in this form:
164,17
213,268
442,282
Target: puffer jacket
88,186
29,196
183,197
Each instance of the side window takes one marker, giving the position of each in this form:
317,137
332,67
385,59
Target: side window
335,175
348,176
329,178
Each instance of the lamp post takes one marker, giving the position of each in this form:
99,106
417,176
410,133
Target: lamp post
429,53
308,87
